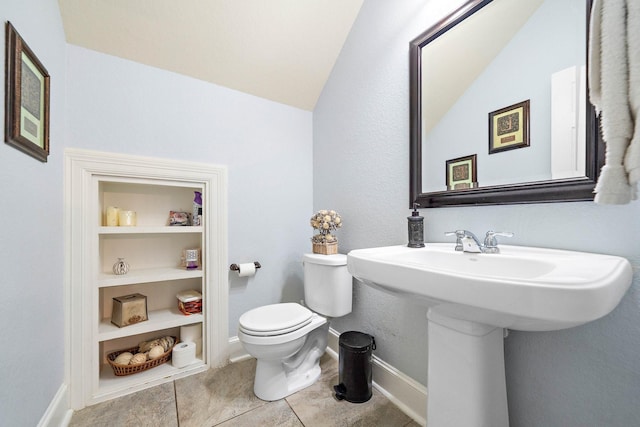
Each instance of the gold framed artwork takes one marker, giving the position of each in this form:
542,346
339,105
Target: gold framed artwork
509,128
26,98
462,173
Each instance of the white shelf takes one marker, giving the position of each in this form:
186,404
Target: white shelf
147,275
110,385
152,188
150,230
158,320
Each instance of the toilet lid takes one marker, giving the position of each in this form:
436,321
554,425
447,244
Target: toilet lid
275,319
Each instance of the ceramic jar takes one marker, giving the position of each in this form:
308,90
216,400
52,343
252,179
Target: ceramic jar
120,267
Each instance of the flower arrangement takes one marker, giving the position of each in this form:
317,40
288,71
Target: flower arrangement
325,222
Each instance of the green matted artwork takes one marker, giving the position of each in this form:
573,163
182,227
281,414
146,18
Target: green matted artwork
462,173
509,128
26,98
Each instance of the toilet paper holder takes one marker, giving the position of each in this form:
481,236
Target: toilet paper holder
236,267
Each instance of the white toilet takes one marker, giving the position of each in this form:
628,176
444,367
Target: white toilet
288,339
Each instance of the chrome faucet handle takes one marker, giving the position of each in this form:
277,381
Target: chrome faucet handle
460,234
490,241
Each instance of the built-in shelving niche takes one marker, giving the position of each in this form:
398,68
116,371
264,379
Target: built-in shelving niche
151,187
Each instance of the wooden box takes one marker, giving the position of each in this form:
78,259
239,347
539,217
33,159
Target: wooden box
129,310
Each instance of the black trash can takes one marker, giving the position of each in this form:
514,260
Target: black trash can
355,367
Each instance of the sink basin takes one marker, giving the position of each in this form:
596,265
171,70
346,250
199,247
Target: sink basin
521,288
471,297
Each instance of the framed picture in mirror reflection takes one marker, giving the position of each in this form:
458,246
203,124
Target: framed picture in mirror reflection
509,128
462,173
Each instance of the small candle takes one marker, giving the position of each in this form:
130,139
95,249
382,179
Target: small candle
112,216
127,218
191,257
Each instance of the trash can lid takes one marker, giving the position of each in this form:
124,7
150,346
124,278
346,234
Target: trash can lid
357,341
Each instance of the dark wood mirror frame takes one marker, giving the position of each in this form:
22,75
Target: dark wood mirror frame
559,190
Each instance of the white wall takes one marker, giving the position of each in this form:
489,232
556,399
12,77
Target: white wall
31,240
585,376
122,106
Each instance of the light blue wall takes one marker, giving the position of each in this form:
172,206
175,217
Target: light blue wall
585,376
521,71
104,103
126,107
31,240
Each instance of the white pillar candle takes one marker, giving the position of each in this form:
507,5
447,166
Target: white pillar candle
112,216
127,218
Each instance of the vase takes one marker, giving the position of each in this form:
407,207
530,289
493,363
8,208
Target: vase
120,267
325,248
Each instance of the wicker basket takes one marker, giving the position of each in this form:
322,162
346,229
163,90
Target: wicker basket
325,248
122,370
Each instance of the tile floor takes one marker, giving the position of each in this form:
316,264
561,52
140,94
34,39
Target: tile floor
224,397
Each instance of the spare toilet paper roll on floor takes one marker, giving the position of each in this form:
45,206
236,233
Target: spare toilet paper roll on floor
246,269
192,333
184,353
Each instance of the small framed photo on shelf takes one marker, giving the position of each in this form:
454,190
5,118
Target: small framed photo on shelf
462,173
509,128
26,98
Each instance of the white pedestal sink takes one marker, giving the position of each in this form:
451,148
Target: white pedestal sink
472,297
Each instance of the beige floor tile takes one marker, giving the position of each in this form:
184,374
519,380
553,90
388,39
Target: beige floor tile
276,413
211,397
224,398
316,405
152,407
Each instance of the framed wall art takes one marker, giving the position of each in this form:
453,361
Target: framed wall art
462,173
509,128
26,98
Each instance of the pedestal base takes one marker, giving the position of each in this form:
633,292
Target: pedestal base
466,382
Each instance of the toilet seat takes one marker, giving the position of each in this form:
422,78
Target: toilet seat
274,319
248,337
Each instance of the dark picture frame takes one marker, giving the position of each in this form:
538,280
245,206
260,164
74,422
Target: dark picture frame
462,173
509,128
27,88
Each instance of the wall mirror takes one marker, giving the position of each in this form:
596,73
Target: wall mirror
499,106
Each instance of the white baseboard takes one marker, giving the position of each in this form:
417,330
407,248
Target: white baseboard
407,394
59,413
236,352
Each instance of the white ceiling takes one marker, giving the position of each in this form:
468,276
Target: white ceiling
282,50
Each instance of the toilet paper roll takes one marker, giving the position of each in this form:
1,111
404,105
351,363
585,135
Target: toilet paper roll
246,269
184,354
198,347
192,333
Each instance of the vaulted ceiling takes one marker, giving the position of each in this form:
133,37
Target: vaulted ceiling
282,50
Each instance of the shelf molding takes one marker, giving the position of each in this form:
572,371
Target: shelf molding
147,275
84,329
158,320
151,230
111,386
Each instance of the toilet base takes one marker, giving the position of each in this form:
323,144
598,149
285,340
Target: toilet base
272,383
277,379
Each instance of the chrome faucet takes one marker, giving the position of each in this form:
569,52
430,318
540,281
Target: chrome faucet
466,241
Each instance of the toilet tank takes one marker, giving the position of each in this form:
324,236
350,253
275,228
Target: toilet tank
327,284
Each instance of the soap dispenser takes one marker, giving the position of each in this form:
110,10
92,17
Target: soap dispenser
415,224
